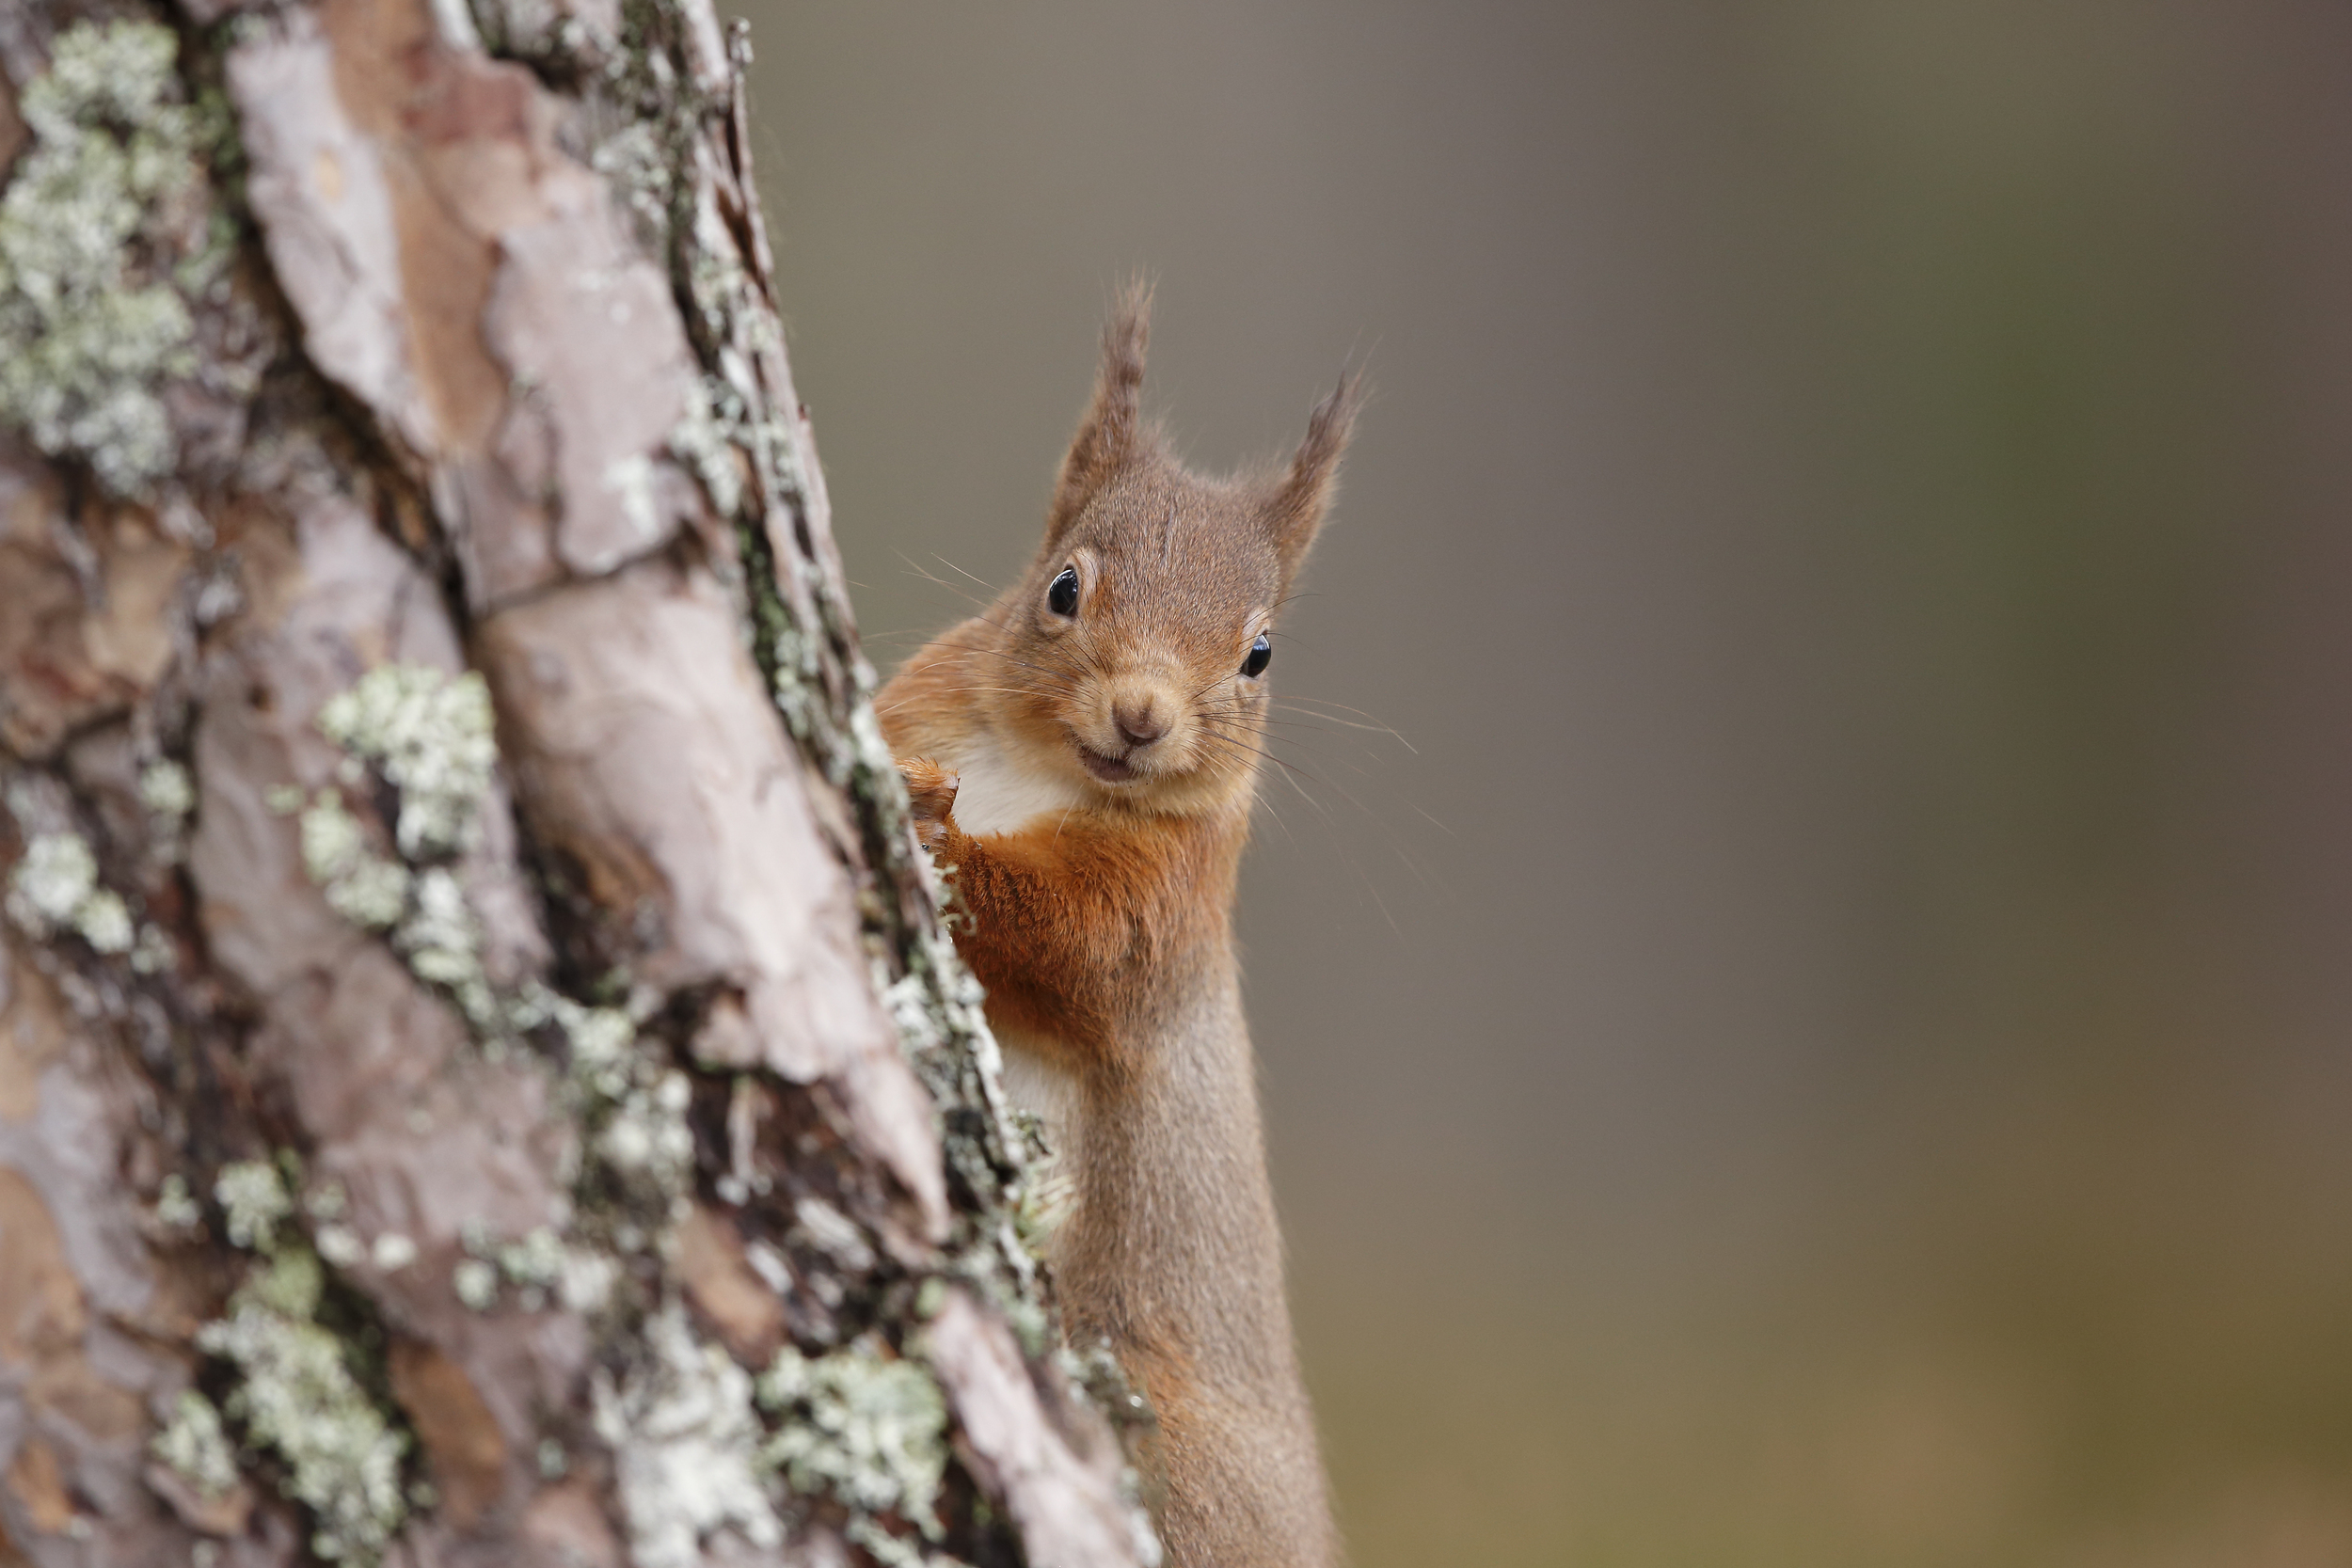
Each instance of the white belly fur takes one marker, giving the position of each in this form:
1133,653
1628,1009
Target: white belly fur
997,795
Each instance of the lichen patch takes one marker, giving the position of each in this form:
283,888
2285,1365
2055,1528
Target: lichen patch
254,1201
196,1446
103,224
295,1394
868,1429
432,737
682,1434
54,888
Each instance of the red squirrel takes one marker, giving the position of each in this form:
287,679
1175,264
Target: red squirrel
1082,758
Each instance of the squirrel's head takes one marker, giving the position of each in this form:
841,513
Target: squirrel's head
1141,636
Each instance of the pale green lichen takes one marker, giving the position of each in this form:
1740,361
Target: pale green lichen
476,1284
291,1284
647,1138
254,1201
587,1281
705,438
363,887
682,1434
153,953
196,1446
443,948
391,1252
332,839
866,1430
55,887
340,1245
634,161
93,226
104,922
537,1261
166,789
635,1103
295,1392
601,1040
176,1209
432,737
298,1396
438,934
630,481
555,32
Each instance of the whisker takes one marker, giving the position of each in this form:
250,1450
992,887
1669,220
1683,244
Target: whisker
953,567
1048,680
996,653
1236,746
1238,716
1325,702
1379,903
957,692
898,634
1320,810
1320,729
935,578
1278,818
1328,784
1371,721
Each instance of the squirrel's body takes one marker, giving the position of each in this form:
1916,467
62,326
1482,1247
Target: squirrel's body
1084,757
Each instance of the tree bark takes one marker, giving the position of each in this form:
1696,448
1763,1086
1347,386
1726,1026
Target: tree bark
483,1078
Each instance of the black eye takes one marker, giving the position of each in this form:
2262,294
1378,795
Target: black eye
1062,598
1260,654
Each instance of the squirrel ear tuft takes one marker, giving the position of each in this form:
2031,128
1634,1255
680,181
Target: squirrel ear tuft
1113,427
1295,507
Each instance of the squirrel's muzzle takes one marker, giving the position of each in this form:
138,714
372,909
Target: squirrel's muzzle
1140,719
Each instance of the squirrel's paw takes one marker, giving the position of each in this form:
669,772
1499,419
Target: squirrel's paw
933,790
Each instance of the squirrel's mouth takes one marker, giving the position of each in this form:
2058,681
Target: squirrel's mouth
1108,769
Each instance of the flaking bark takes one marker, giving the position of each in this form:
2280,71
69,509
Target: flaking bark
482,1079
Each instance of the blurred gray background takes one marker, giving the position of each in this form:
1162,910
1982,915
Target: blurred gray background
1830,1045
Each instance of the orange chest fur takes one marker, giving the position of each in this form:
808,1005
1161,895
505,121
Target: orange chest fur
1076,913
1080,928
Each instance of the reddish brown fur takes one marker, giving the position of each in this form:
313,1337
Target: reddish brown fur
1099,898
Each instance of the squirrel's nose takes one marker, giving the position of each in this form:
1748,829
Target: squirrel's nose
1138,722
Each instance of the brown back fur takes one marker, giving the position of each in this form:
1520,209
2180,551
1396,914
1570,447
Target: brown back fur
1107,761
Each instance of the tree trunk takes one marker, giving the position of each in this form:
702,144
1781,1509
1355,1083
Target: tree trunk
483,1078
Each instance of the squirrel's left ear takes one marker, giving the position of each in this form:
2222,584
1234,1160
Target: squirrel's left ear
1295,508
1112,432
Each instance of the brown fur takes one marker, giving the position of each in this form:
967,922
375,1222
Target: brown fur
1100,919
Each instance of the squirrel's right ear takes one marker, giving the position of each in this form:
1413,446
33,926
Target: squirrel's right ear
1295,508
1112,430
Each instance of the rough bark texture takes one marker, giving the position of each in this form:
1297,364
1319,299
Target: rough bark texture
482,1080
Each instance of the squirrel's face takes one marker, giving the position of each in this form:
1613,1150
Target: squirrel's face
1140,642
